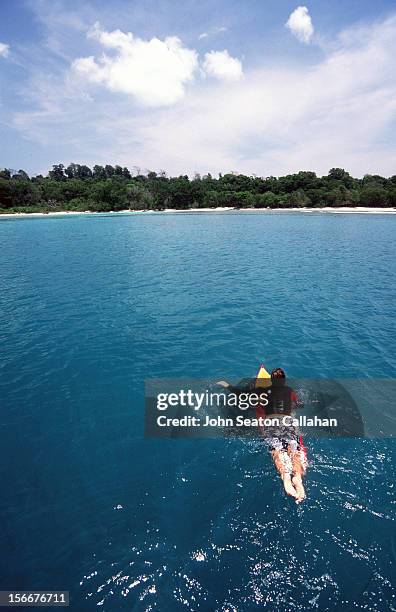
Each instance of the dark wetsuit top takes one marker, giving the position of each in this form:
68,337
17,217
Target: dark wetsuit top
282,400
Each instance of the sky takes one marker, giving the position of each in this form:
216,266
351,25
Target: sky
261,87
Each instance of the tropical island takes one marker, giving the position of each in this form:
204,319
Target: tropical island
114,188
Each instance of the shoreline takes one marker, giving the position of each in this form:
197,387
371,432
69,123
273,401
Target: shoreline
127,212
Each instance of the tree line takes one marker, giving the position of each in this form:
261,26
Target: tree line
104,188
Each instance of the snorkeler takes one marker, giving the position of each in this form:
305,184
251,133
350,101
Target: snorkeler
284,441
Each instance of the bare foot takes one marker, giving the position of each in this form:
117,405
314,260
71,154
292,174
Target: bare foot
287,483
299,487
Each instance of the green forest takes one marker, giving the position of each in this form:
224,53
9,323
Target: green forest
111,188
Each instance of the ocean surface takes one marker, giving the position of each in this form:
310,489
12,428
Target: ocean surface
91,307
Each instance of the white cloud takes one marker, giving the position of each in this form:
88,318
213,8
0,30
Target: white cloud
4,50
154,71
212,32
340,111
300,24
221,65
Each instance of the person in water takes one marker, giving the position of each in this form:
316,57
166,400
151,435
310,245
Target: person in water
284,441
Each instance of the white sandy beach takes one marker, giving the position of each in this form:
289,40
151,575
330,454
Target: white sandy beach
325,210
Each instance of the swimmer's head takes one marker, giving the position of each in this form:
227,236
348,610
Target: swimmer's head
278,376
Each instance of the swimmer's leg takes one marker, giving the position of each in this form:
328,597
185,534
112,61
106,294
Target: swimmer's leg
281,462
299,469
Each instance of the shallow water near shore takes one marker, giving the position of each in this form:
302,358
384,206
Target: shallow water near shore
94,305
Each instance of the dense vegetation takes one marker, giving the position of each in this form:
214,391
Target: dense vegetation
77,187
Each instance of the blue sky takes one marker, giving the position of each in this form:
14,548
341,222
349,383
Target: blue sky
261,87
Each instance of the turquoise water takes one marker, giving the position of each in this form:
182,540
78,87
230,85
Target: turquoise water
94,305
